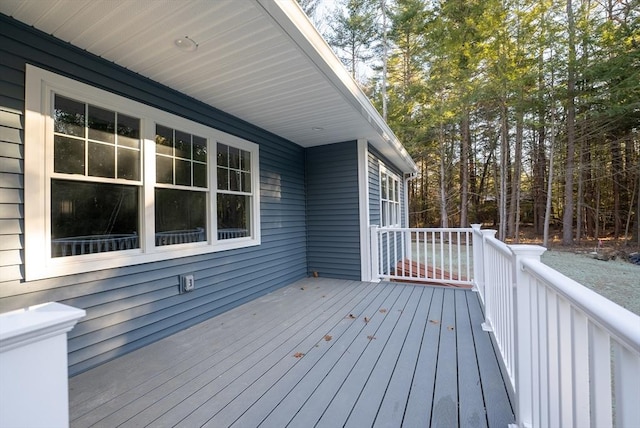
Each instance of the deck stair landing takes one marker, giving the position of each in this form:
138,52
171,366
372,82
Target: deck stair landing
320,353
425,274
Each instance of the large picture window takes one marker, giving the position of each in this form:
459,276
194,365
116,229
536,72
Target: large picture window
389,199
111,182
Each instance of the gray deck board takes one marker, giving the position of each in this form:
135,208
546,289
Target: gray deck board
420,401
304,356
500,412
471,401
392,409
445,396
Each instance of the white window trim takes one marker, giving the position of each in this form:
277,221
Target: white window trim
382,169
39,87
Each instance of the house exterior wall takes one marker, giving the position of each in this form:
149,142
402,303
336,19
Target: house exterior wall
333,234
131,306
374,160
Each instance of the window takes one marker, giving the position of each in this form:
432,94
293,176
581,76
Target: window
389,198
95,180
181,187
234,191
111,182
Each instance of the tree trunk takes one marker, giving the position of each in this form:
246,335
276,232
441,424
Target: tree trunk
383,89
547,211
567,218
464,162
617,168
514,206
444,220
504,172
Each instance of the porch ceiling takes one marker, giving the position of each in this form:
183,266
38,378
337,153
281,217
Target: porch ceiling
260,60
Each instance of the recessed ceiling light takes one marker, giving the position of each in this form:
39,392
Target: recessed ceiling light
186,44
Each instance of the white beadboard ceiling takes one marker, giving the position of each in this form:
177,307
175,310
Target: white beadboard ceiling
260,60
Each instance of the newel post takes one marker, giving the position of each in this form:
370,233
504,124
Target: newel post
486,269
523,318
478,259
374,253
34,388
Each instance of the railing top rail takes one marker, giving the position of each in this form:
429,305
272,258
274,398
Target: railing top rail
500,246
426,229
621,323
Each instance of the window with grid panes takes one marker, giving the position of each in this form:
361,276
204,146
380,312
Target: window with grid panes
389,199
124,183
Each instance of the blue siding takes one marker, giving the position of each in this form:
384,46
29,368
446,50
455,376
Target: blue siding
373,161
333,234
132,306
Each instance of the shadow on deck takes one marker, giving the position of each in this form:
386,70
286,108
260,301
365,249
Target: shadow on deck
319,352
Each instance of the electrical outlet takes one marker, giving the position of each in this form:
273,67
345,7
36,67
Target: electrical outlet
187,283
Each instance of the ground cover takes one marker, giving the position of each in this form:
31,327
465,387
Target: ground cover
616,279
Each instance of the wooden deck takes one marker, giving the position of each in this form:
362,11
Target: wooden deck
320,352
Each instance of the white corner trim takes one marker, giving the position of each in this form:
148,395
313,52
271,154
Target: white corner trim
363,205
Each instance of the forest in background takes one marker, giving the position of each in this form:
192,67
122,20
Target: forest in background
520,114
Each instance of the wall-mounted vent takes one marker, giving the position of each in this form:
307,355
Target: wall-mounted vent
187,283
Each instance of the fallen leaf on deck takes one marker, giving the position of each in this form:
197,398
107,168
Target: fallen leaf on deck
351,316
434,321
371,337
328,338
450,328
298,355
366,319
383,310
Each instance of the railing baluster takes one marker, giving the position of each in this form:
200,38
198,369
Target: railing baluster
580,366
600,377
627,386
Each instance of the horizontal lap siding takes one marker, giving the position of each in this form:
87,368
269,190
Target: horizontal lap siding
333,235
132,306
373,161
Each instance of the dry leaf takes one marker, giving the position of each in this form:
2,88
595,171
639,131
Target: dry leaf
298,355
328,338
450,328
366,319
434,321
351,316
383,310
371,337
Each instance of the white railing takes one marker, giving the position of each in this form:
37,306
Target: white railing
438,256
579,353
571,356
